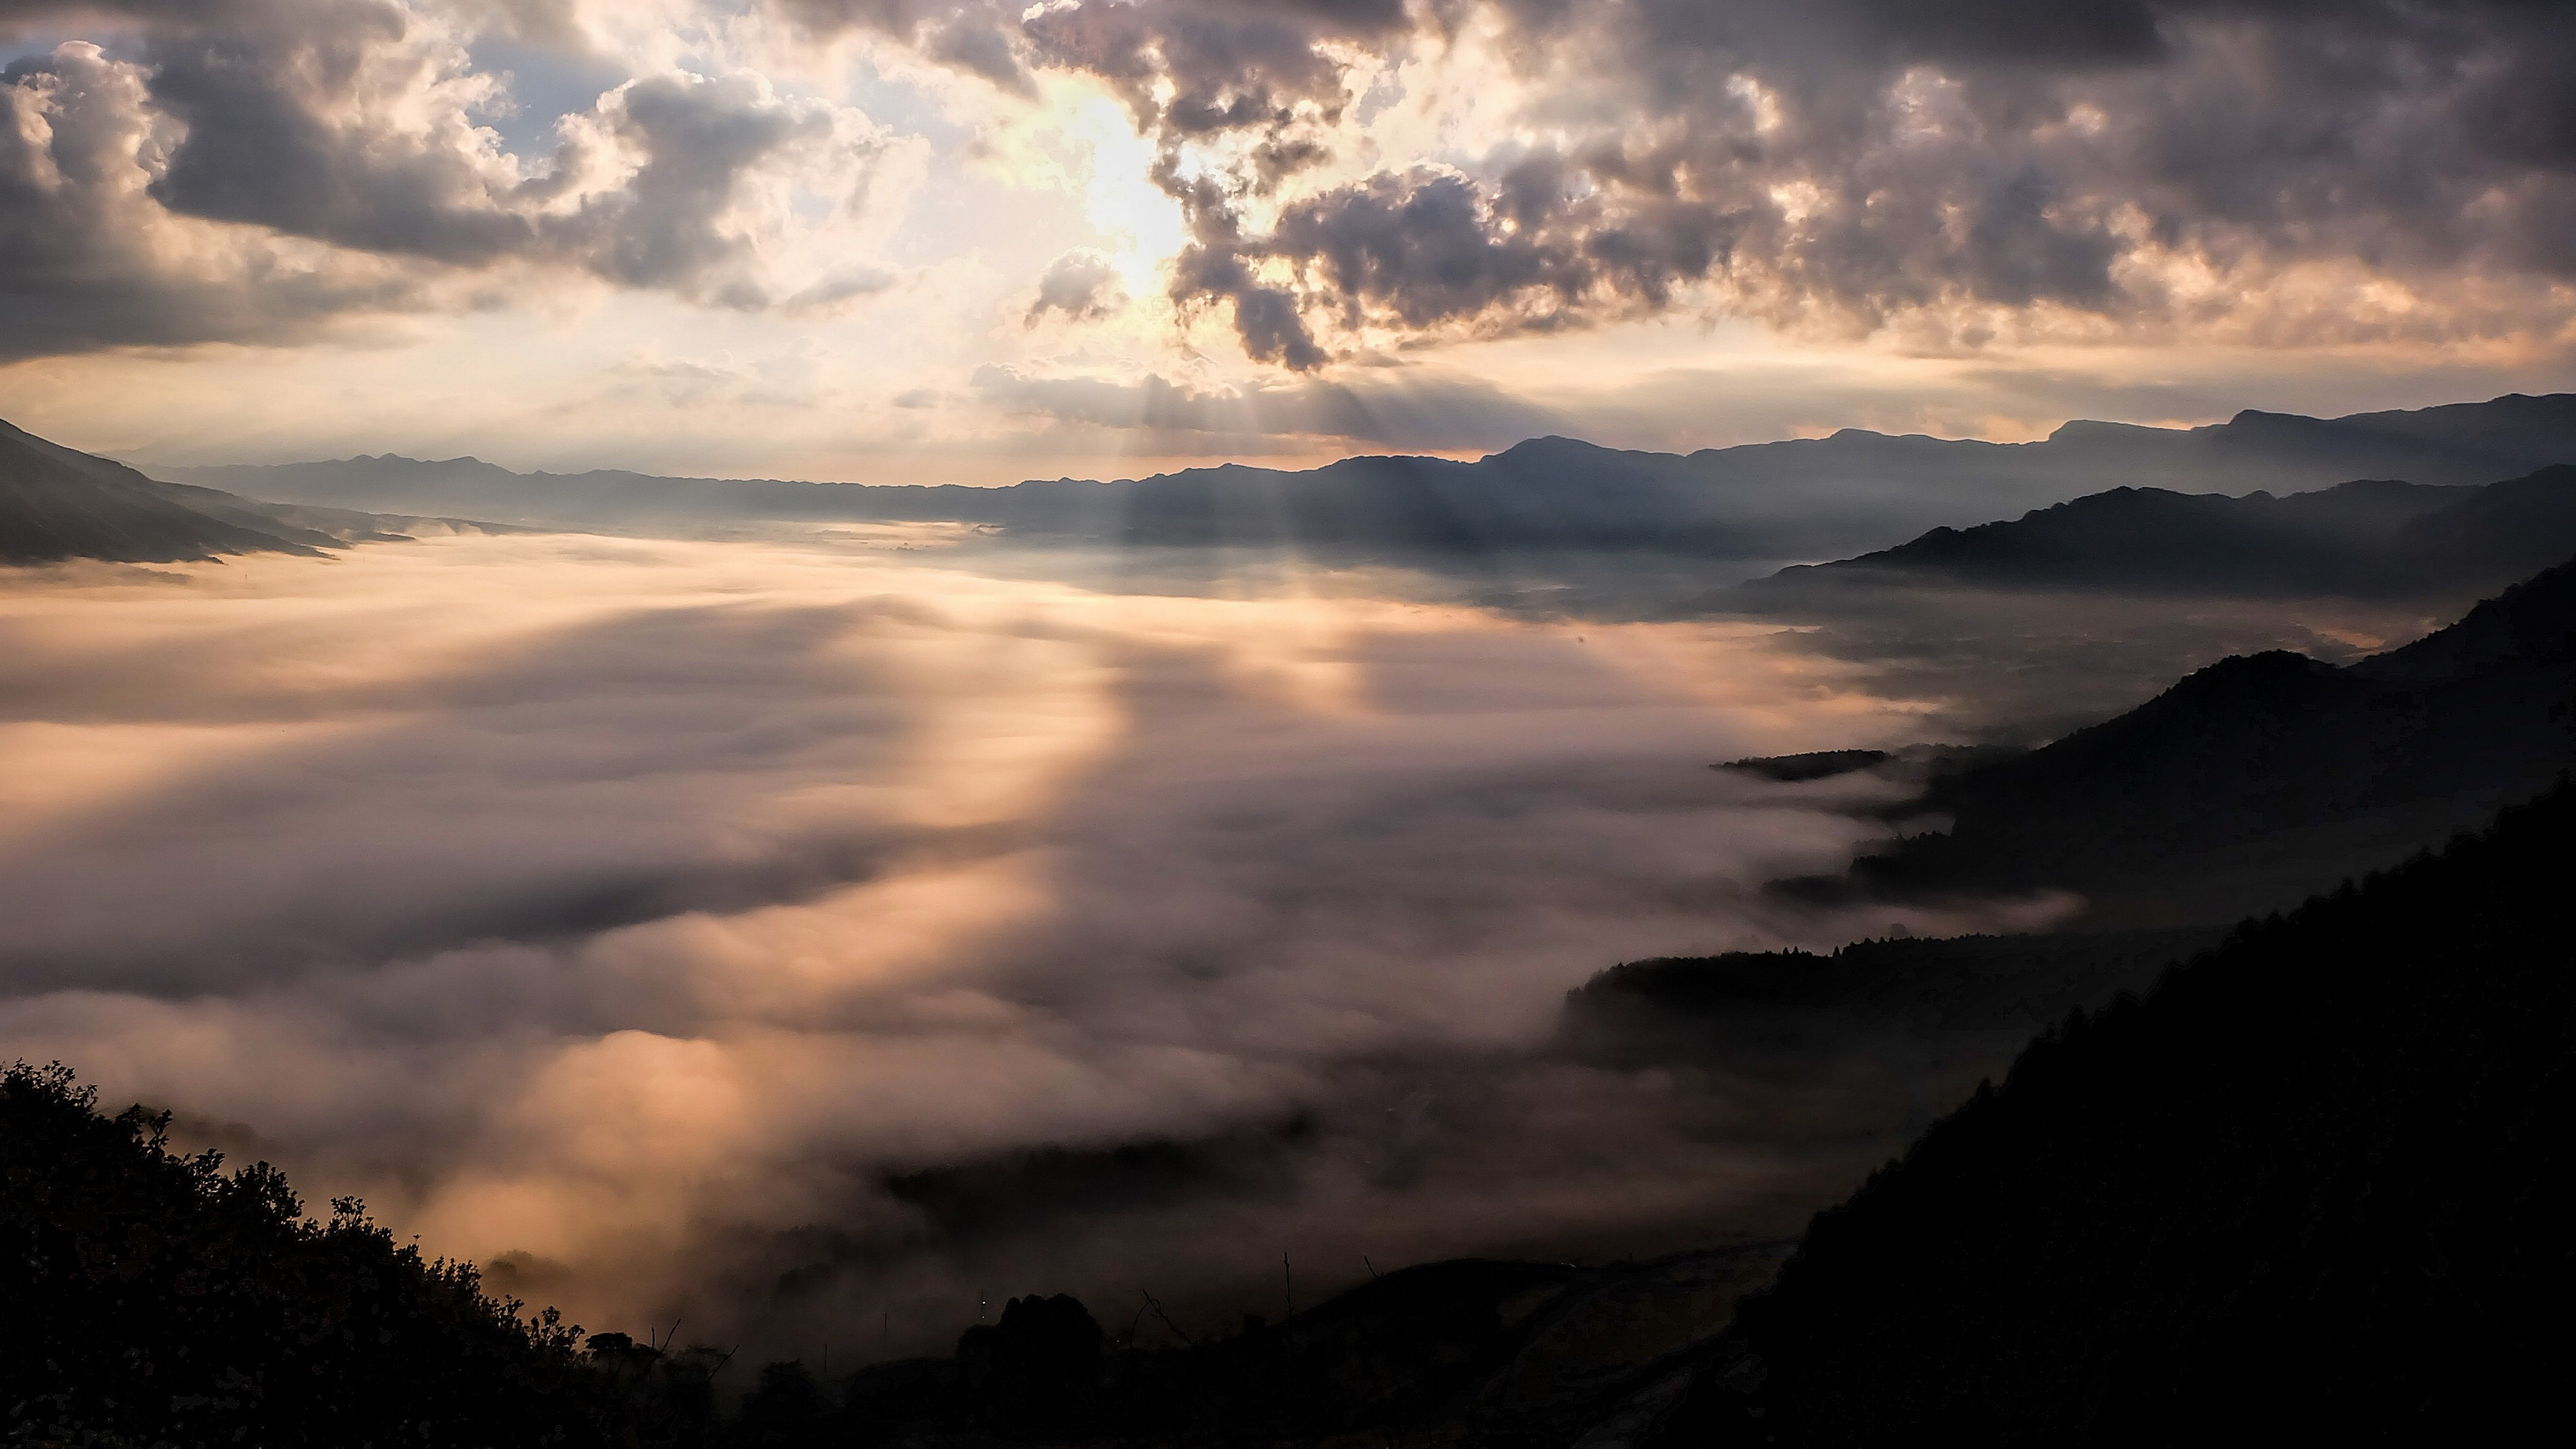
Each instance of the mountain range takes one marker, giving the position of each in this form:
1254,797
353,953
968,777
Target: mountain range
2099,507
1795,499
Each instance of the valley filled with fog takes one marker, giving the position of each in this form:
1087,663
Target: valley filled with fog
843,926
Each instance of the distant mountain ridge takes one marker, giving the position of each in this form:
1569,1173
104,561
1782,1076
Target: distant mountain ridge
1798,498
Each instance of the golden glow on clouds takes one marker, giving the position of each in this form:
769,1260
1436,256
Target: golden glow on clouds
896,251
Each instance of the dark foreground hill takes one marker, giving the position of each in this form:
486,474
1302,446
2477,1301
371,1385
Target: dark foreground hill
149,1299
57,504
152,1299
1798,498
2314,1187
2261,779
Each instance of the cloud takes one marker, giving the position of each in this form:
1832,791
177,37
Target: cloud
690,214
1359,176
249,171
1082,284
1431,412
88,258
1953,174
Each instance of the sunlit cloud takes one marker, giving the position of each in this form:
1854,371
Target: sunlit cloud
1214,194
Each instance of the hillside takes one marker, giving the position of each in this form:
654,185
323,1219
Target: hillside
57,504
2314,1186
2263,778
2364,539
1723,1007
155,1299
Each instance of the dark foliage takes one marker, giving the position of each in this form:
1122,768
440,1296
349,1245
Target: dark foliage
1813,765
155,1299
1459,1353
789,1406
2315,1187
1040,1366
1956,983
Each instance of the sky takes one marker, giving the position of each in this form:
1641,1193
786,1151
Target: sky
975,240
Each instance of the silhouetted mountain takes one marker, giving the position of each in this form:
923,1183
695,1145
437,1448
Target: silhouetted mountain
56,503
2264,778
2365,539
1803,498
2314,1187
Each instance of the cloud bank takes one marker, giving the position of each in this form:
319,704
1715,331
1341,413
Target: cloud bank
790,936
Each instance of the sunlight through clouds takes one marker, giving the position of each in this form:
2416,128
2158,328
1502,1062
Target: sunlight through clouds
1989,213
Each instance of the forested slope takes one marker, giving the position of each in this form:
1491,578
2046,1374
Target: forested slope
2315,1186
153,1299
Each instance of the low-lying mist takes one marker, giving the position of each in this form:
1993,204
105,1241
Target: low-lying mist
812,940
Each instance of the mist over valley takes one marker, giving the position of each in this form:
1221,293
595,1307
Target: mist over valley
790,925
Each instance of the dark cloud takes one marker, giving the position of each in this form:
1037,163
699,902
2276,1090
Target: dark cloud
261,142
1081,284
84,262
1858,162
358,124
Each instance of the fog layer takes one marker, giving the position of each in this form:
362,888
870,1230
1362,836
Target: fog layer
794,935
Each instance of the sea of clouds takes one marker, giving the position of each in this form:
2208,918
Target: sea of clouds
786,935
